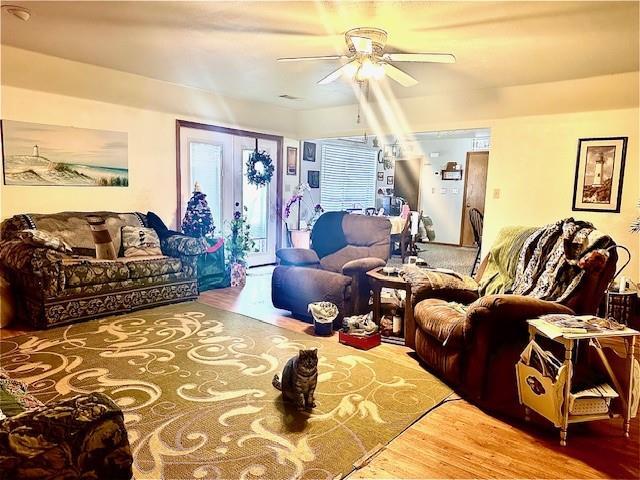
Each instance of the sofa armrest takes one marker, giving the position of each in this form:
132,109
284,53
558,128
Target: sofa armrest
293,288
509,309
41,266
301,257
182,246
84,435
362,265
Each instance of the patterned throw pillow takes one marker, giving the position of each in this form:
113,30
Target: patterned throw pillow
105,250
15,399
41,238
140,241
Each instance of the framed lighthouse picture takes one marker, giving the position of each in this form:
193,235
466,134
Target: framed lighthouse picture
599,174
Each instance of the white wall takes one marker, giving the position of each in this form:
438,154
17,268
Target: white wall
533,153
148,121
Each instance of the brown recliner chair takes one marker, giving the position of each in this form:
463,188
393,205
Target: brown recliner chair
473,342
343,249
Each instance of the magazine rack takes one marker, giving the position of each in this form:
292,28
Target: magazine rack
553,399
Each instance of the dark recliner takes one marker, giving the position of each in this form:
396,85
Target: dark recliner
343,249
473,342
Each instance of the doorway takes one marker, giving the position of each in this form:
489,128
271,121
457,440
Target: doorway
216,158
407,181
475,190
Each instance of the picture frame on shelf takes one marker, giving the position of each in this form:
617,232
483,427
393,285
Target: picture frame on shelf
599,174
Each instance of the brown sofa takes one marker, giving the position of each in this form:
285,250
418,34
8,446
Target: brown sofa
57,288
472,339
343,249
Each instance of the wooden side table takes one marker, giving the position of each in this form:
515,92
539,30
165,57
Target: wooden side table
379,280
624,375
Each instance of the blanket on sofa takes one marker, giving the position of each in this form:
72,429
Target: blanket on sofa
548,265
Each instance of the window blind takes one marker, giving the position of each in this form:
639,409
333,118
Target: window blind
348,176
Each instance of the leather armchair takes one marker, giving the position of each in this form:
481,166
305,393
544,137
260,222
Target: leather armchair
473,342
343,249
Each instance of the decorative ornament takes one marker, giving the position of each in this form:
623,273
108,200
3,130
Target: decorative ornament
259,168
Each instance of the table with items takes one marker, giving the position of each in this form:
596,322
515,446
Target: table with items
609,386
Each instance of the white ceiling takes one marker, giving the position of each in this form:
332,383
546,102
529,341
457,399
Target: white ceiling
231,47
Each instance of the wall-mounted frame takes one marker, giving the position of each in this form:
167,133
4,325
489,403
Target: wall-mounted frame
381,176
599,174
389,180
309,151
451,174
292,161
313,178
35,154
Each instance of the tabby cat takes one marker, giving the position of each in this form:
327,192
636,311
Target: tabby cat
299,379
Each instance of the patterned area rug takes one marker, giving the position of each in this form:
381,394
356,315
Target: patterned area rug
195,385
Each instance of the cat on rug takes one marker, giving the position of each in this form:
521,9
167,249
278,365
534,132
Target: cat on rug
299,379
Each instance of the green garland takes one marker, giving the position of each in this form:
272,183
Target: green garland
259,178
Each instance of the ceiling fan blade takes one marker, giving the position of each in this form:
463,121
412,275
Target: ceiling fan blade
362,44
333,76
305,59
398,75
420,57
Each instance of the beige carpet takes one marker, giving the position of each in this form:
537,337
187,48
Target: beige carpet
195,385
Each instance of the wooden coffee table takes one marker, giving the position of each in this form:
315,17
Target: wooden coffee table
379,280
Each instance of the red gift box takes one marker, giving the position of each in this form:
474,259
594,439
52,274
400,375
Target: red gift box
363,343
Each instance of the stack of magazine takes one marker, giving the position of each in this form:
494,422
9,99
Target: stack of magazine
555,325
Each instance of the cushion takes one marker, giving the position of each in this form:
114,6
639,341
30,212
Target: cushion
72,227
155,222
502,261
443,321
15,399
140,242
151,266
105,249
327,236
85,271
41,238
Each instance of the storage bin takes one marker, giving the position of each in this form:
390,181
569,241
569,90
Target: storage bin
540,393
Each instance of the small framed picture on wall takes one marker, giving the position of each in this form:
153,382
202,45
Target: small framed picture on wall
292,161
599,174
313,178
381,176
309,152
389,180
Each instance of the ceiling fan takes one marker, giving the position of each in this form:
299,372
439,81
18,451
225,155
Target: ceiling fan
367,59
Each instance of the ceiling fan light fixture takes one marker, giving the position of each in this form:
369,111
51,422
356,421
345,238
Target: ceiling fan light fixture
351,69
369,71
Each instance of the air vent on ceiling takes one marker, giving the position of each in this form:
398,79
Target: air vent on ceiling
289,97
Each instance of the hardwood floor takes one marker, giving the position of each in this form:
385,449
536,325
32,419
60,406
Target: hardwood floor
456,439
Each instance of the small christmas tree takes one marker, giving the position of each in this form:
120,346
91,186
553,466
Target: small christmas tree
198,221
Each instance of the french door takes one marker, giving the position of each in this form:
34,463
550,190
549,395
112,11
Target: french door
217,161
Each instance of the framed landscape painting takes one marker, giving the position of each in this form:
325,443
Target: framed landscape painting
35,154
599,174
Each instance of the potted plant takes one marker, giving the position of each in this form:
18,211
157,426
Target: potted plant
300,238
238,244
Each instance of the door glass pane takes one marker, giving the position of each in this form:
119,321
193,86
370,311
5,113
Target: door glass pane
206,169
256,199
